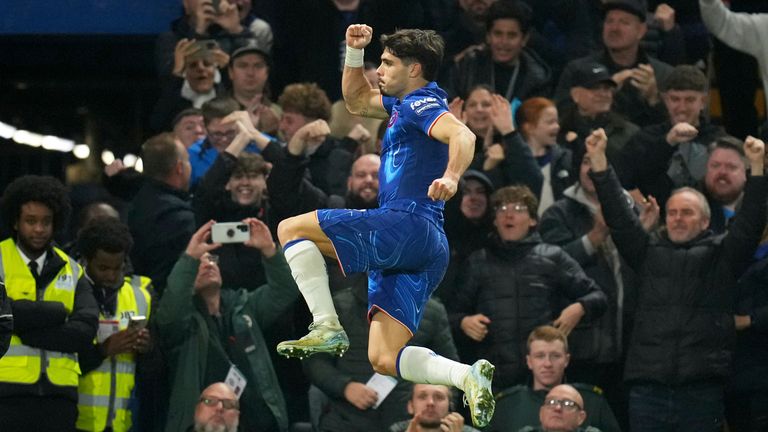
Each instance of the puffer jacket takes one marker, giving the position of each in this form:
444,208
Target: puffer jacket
519,286
683,330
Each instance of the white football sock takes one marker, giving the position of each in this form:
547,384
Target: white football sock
308,269
422,365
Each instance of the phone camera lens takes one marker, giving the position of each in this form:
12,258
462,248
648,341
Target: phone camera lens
230,232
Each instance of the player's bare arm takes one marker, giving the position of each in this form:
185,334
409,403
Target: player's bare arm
461,147
359,96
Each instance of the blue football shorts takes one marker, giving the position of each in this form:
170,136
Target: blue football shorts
405,255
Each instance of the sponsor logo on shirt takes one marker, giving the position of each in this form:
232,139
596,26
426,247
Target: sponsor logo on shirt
424,104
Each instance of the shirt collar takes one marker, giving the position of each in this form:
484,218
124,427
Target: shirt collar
40,260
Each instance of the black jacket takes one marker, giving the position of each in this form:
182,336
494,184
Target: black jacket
533,79
161,222
565,224
617,128
519,286
683,329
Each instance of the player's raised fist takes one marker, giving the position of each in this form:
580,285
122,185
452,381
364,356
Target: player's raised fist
359,36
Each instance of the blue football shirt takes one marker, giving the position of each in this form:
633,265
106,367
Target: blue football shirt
410,158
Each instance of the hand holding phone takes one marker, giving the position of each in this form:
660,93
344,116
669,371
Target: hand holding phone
230,232
137,322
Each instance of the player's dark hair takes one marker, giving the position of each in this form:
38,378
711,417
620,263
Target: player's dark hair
425,47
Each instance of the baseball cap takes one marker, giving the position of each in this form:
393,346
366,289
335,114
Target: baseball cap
590,74
250,47
636,7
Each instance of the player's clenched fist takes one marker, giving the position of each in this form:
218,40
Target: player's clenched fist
359,35
442,189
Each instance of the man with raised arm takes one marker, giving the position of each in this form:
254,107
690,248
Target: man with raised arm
680,350
401,244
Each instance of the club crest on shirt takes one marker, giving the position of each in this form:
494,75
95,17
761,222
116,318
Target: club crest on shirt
392,118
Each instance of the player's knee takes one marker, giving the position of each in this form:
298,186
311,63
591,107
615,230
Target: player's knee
383,363
286,230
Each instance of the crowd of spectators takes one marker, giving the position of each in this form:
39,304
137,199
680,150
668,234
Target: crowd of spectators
607,243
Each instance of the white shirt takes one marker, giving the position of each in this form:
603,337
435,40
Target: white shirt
40,260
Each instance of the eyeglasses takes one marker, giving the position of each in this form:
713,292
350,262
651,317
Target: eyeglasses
517,208
564,404
219,136
227,404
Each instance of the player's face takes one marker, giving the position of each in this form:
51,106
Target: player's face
34,227
506,40
685,219
726,175
513,221
474,200
189,129
393,75
247,189
106,269
685,105
478,110
547,361
249,73
431,403
210,414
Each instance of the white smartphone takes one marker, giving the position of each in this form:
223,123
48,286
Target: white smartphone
230,232
137,322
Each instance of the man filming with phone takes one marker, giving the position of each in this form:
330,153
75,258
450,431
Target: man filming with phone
109,364
214,333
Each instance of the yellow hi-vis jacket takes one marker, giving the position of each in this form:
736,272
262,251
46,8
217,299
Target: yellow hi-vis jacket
105,392
22,364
